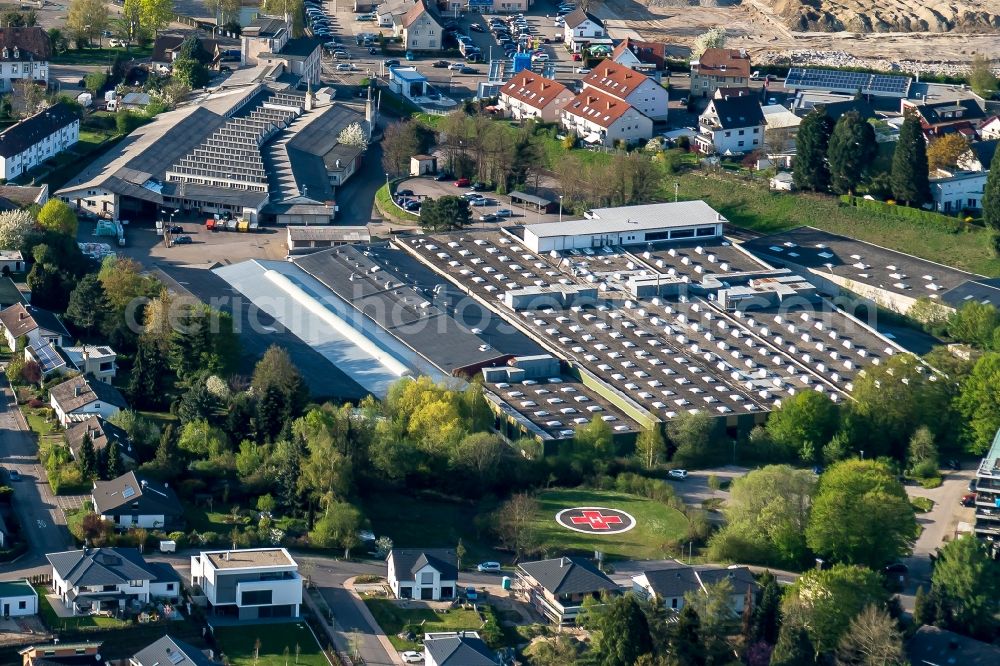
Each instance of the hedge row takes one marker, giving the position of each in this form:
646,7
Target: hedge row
952,224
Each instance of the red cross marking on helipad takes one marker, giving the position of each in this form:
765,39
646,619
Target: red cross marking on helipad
596,520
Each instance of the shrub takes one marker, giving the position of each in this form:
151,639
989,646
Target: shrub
922,504
35,403
932,482
925,469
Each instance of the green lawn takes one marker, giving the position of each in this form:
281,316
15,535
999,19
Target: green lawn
392,619
656,525
386,206
413,522
56,623
218,520
237,644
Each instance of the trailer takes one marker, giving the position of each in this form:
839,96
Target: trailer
210,224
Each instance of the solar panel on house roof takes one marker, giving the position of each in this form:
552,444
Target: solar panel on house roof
48,358
874,84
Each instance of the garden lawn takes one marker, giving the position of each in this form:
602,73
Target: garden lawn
656,525
218,520
101,56
237,644
392,619
416,522
56,623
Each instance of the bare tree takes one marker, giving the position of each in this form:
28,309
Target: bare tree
514,523
872,639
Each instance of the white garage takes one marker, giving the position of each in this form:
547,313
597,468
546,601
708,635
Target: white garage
628,225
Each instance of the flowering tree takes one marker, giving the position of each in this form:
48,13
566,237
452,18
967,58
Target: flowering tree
14,225
353,135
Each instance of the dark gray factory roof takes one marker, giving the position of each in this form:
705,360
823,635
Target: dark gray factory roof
419,308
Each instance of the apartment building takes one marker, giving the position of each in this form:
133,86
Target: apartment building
24,54
733,125
719,68
987,525
599,118
528,95
30,142
644,94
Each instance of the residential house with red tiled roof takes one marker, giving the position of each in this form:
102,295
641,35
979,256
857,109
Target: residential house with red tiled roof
716,68
24,54
599,118
643,93
648,57
422,31
528,95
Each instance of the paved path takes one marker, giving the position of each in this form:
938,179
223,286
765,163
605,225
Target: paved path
41,518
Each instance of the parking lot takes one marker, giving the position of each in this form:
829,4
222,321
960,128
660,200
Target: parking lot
426,187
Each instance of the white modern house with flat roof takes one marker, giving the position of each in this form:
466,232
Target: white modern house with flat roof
17,598
627,225
958,191
249,583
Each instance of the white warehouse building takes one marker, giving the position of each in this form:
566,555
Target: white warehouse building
627,225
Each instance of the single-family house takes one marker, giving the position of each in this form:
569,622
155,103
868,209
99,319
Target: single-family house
170,651
11,261
25,325
599,118
430,574
461,648
422,30
17,598
47,356
167,47
129,501
250,583
108,579
15,197
932,646
647,57
9,293
24,54
60,652
580,28
557,588
97,361
643,93
990,128
731,126
101,433
979,156
671,581
81,397
529,95
938,118
955,191
26,144
717,68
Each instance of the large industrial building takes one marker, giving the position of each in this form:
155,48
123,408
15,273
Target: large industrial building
261,152
568,323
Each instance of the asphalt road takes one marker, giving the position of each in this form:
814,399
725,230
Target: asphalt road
41,519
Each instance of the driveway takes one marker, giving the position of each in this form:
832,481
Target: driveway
938,523
41,519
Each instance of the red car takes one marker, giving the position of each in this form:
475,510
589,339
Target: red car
969,500
462,182
577,57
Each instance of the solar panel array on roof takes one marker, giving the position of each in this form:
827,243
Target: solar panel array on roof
48,358
885,85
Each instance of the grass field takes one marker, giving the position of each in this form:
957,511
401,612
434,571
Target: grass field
99,56
392,619
414,522
56,623
656,525
237,643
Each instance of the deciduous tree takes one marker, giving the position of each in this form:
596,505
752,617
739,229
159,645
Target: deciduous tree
979,403
806,417
861,515
14,227
967,582
87,19
650,447
57,216
691,434
514,523
944,152
871,639
981,77
713,39
446,212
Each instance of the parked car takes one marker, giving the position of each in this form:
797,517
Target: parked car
583,70
968,500
468,70
412,205
412,657
344,67
505,212
475,27
442,175
462,182
176,229
488,567
410,56
678,474
488,217
471,594
953,463
441,64
118,43
455,66
897,568
404,193
577,57
182,240
480,187
482,201
13,475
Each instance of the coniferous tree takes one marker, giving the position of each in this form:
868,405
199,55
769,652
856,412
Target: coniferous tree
112,460
767,614
851,153
811,171
686,648
88,458
624,633
147,384
991,196
909,175
794,647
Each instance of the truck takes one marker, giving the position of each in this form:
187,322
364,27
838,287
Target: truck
243,226
231,224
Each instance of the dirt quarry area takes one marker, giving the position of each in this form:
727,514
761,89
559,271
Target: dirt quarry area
765,29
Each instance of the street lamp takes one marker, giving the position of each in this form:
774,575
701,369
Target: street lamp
560,207
677,187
